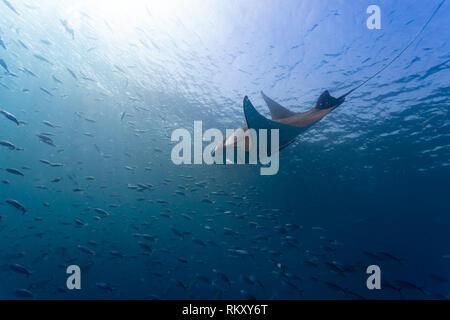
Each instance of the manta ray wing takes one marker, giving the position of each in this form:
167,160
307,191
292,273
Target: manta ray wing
256,121
277,111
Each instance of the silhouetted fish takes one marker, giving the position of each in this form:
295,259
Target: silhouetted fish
19,269
68,29
16,204
46,91
9,145
14,171
10,116
23,293
56,80
39,57
72,74
86,250
9,5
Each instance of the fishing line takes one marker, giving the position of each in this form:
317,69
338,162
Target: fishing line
401,52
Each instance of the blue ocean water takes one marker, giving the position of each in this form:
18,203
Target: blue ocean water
105,84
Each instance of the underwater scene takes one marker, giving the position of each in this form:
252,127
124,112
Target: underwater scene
102,196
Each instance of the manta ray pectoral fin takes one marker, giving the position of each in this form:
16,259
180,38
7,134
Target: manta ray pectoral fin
277,111
256,121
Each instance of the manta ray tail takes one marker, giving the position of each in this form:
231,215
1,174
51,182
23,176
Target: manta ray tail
399,54
277,111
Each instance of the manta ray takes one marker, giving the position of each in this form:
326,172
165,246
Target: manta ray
290,124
